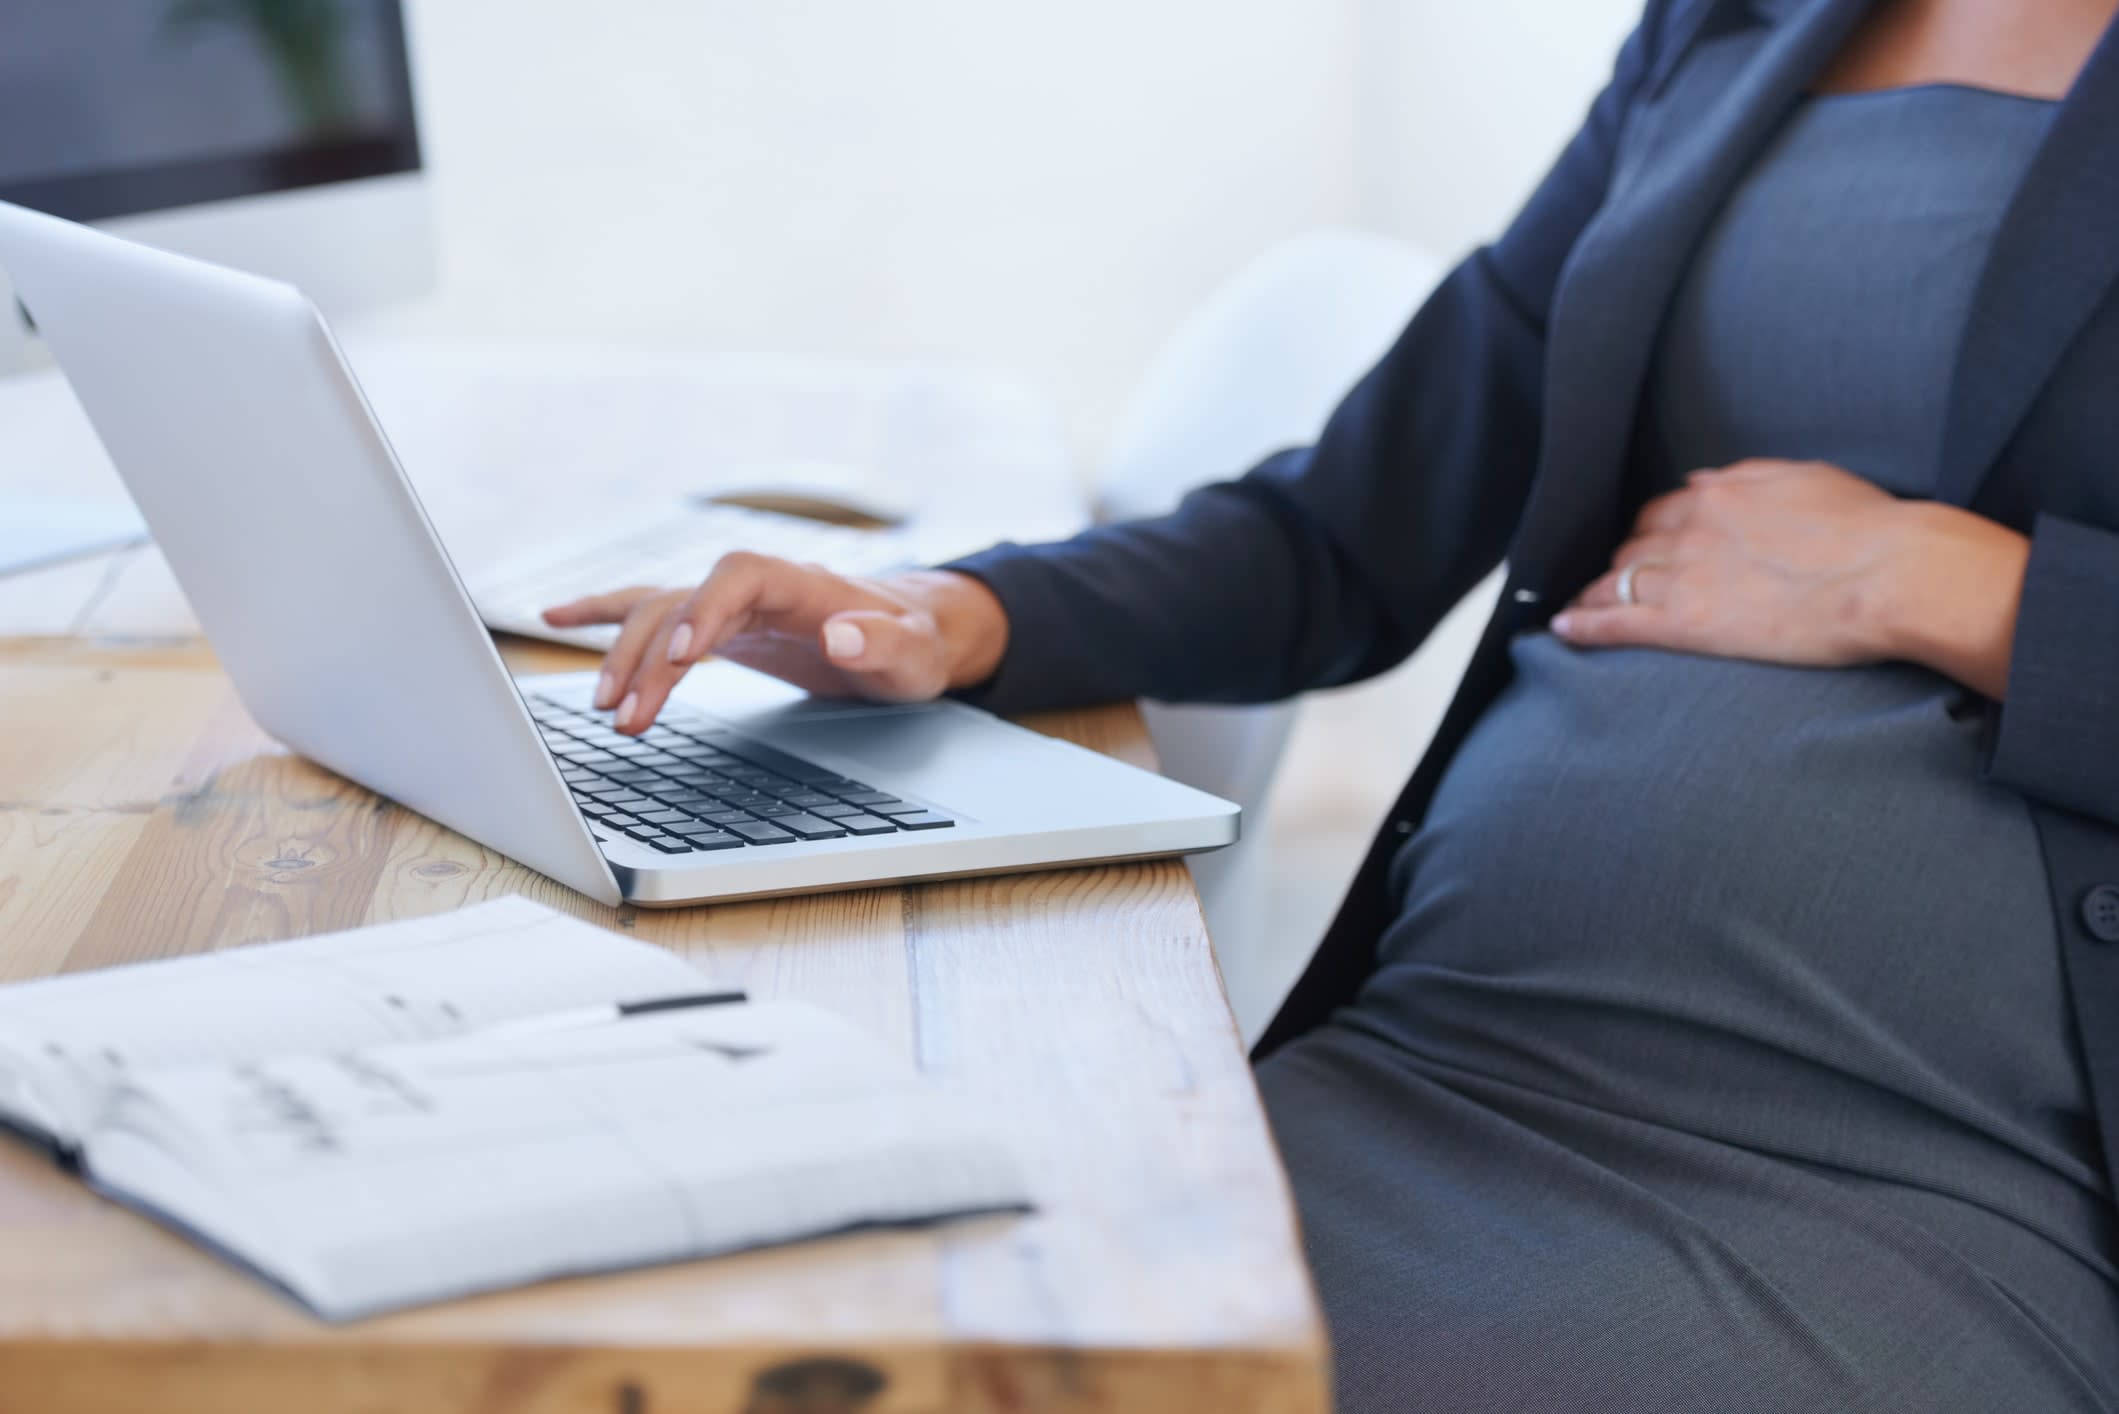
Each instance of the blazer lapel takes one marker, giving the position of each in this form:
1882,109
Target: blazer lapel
2054,258
1719,108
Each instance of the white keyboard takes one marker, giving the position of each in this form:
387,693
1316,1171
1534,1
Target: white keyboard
673,545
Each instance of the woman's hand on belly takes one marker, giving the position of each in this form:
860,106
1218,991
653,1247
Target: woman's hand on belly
1807,564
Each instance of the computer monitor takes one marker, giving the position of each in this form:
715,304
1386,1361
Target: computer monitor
276,136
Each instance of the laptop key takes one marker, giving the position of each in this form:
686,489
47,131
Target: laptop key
700,830
898,807
809,827
866,825
641,830
925,820
724,817
835,810
759,832
773,811
870,798
666,817
634,804
671,844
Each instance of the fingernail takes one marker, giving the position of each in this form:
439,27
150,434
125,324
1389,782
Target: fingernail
681,644
843,640
1563,624
627,708
605,690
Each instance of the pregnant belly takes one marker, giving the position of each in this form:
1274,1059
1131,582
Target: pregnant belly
1693,890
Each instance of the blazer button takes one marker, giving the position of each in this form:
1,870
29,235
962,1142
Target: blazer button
2100,913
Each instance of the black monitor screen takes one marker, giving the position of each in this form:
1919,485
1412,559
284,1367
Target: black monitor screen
110,107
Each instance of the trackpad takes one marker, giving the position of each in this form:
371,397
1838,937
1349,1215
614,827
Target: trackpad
952,759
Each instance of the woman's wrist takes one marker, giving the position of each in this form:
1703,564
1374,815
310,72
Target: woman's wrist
969,616
1955,585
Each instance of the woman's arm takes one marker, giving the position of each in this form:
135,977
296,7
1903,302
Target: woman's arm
1321,566
2057,739
1330,564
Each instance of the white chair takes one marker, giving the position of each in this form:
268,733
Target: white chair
1258,368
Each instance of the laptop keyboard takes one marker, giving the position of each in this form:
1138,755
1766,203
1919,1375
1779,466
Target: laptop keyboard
688,786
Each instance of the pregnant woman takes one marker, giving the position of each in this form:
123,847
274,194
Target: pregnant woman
1727,1018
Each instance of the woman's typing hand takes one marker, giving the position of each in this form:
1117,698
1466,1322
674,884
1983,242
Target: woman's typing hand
1804,563
904,638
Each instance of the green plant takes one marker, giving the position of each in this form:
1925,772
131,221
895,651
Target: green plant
304,41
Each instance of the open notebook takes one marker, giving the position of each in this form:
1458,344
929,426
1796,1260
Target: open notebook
408,1113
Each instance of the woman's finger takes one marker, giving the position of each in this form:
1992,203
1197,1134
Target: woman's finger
725,602
1666,514
654,678
896,657
608,608
1758,469
1618,626
1660,546
1648,587
743,593
622,662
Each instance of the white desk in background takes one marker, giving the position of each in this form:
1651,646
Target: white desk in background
510,443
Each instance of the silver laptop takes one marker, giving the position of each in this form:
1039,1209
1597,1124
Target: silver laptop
259,466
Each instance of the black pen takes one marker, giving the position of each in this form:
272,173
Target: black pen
607,1012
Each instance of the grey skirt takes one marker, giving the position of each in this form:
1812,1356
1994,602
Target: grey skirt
1478,1248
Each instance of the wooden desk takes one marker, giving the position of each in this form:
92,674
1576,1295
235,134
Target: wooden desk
143,815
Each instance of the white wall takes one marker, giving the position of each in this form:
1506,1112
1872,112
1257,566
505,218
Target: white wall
1463,106
1048,187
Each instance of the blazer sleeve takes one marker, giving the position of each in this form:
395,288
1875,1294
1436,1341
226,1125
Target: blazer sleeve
1332,563
2057,735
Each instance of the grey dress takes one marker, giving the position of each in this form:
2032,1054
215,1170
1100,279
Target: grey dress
1720,1058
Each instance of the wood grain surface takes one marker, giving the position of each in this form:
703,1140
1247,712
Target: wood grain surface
143,815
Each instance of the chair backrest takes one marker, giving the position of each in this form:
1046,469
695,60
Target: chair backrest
1258,368
1261,365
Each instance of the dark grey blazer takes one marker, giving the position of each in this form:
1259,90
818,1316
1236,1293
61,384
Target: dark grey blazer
1502,425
